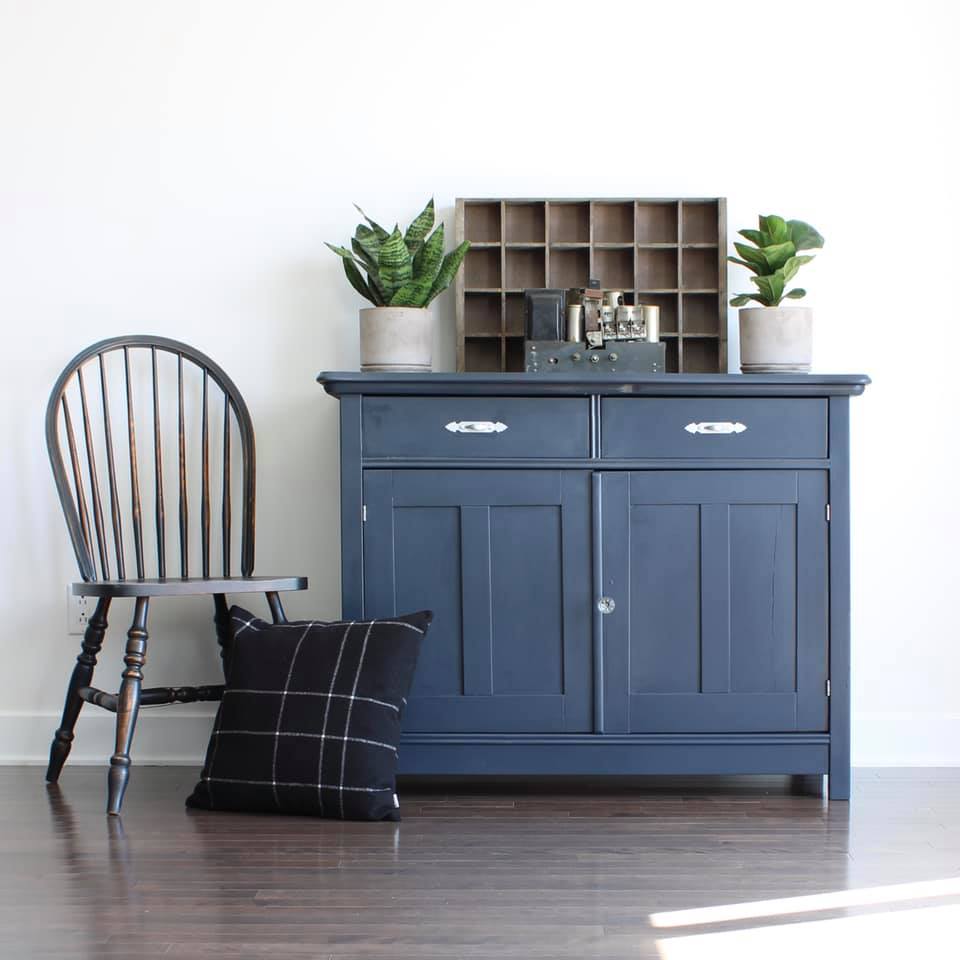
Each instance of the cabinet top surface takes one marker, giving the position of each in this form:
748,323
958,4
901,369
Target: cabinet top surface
544,385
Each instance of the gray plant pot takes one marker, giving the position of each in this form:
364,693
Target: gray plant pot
776,339
396,340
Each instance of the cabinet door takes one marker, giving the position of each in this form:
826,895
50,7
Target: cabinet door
720,585
502,557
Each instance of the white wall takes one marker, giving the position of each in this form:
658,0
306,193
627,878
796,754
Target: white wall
174,168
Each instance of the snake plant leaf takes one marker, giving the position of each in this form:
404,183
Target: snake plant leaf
448,270
412,294
357,281
369,264
758,237
394,263
377,229
771,288
752,255
340,251
790,268
778,254
426,264
796,293
418,230
804,237
743,263
775,227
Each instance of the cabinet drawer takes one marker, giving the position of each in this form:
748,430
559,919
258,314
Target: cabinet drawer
480,428
714,427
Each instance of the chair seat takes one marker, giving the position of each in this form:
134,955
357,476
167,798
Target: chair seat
188,586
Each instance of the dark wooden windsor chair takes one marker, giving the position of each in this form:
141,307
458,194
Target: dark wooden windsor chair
96,539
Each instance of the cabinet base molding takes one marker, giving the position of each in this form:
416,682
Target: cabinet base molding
612,754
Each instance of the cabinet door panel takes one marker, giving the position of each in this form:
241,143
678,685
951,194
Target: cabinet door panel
502,558
723,624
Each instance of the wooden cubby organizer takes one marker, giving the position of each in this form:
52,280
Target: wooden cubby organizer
668,252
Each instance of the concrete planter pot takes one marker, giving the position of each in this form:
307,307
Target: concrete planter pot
776,339
396,340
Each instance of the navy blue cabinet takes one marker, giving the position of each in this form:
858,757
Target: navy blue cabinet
638,574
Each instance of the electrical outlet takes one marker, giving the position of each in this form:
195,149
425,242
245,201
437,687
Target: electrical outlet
78,613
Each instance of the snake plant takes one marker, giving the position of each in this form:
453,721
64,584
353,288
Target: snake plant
773,259
402,269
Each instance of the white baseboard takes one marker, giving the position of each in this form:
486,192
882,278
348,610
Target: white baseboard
171,737
179,736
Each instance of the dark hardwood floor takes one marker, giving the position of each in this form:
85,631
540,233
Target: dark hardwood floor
679,869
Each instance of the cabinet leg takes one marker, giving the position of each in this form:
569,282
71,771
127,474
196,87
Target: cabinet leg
839,782
128,705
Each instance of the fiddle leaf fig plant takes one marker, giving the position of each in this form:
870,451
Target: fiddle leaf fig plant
402,269
773,257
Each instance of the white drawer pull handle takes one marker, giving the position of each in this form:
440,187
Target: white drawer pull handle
721,426
476,426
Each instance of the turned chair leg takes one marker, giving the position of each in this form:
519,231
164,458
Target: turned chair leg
128,705
81,677
276,607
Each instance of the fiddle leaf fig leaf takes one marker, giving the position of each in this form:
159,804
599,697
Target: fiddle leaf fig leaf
796,293
771,288
752,255
804,237
790,268
778,254
743,263
775,227
741,299
758,237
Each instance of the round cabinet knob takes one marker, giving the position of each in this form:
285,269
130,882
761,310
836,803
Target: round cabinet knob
594,359
554,360
613,358
606,605
575,357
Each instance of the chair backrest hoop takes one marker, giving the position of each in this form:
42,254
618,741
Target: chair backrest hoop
73,501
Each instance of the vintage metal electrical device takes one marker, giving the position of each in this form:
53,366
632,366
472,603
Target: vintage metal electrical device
589,330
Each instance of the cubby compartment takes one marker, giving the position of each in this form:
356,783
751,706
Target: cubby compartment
481,222
525,223
700,270
525,268
667,302
513,357
701,355
569,268
701,314
614,268
482,355
656,223
513,315
612,222
656,269
481,314
569,222
481,269
700,221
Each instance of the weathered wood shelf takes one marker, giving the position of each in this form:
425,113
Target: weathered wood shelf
669,252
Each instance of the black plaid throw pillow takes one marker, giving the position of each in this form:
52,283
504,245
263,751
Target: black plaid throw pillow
310,718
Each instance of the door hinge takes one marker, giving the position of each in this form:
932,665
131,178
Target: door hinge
363,514
828,513
828,688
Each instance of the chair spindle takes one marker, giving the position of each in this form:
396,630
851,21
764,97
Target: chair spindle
182,447
112,474
158,473
226,510
94,483
205,482
134,472
78,482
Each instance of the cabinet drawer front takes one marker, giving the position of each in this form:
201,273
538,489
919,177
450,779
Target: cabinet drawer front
480,428
714,428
